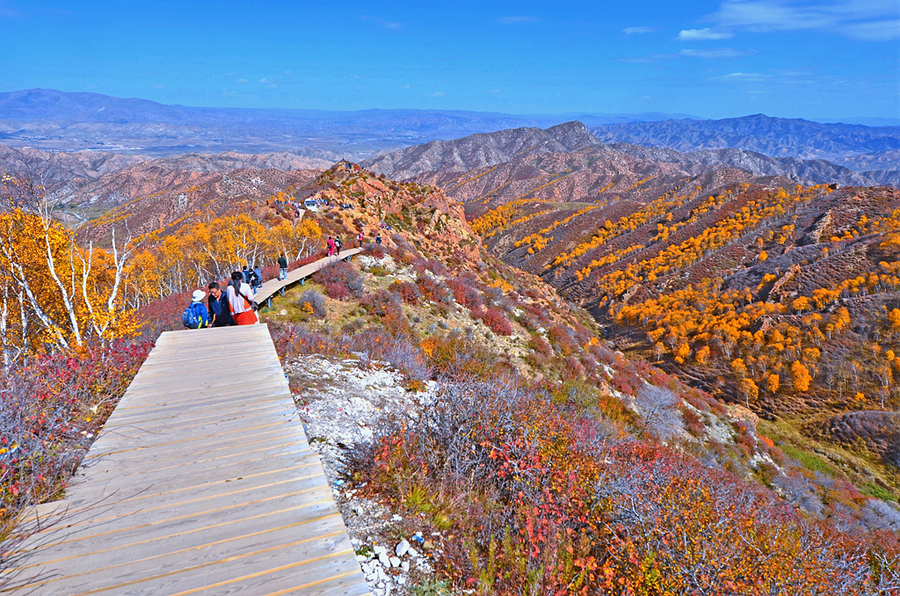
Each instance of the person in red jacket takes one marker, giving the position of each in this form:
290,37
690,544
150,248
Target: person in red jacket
240,297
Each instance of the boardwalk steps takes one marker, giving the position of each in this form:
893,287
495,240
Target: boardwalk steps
201,482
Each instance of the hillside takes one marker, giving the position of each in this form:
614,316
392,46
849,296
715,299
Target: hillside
486,421
719,267
527,400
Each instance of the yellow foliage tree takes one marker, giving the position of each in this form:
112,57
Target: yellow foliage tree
801,376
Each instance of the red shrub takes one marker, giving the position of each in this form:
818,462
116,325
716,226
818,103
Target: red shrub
52,409
465,294
407,291
343,275
496,321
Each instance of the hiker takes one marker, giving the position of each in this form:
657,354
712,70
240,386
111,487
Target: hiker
245,273
337,245
195,316
359,240
378,239
219,312
330,246
239,301
282,267
256,279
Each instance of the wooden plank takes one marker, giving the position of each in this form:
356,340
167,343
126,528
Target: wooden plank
271,287
199,485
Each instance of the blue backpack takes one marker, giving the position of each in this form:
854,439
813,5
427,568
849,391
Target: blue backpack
191,317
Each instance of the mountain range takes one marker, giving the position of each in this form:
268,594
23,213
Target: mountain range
65,122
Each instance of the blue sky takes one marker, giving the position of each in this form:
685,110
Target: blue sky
789,58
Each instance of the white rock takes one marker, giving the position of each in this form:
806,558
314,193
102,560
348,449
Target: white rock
397,518
362,558
401,580
379,550
402,548
395,561
413,552
404,565
383,558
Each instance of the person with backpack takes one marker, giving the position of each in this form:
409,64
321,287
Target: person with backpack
330,244
359,240
195,316
282,267
219,312
256,278
337,246
243,307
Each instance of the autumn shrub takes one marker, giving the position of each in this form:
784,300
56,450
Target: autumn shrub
625,380
163,314
693,422
453,356
294,340
376,251
408,291
340,280
53,407
561,339
432,289
496,321
399,351
312,303
465,294
545,501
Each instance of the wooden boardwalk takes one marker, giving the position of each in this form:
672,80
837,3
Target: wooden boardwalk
202,481
272,286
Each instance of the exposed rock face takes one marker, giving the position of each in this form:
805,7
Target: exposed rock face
423,215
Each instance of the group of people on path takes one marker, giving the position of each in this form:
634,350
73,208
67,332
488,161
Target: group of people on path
235,305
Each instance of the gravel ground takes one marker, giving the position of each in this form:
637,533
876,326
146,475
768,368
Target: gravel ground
341,403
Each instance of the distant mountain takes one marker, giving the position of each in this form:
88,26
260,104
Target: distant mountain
442,161
65,122
482,150
843,144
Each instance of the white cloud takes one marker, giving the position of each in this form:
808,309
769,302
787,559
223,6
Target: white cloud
744,77
516,20
264,81
437,94
406,86
870,20
702,35
241,81
637,30
715,54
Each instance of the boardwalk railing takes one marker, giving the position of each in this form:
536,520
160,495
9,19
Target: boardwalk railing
202,481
